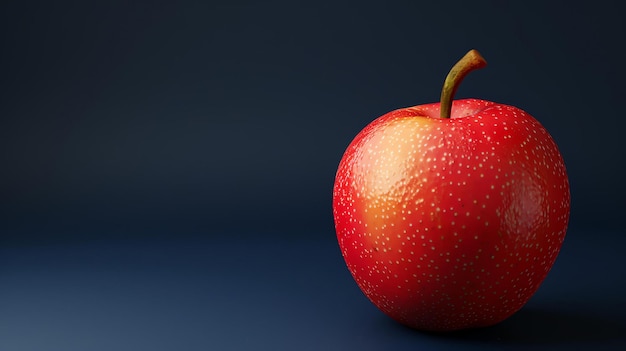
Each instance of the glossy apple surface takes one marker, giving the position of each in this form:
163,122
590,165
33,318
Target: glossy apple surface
451,223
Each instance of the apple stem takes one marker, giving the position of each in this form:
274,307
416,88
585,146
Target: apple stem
471,61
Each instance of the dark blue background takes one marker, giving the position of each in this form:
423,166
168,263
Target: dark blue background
168,166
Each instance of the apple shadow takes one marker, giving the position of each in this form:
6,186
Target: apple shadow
542,326
534,325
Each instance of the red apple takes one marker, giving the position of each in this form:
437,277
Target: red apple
450,215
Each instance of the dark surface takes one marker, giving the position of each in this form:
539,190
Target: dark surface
167,166
199,293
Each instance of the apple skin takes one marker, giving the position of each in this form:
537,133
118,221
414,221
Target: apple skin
451,223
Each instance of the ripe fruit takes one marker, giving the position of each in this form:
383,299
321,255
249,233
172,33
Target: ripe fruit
449,216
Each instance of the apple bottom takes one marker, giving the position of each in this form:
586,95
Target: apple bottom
435,301
432,319
436,283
